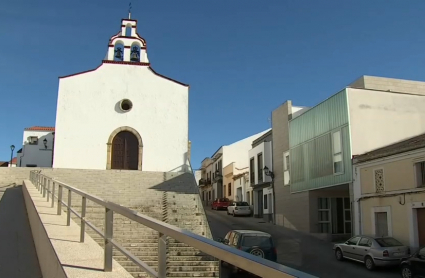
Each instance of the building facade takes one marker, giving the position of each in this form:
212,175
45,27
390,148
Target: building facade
389,192
287,205
37,147
260,156
123,114
324,138
213,168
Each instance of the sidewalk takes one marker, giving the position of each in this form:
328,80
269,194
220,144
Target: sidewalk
18,257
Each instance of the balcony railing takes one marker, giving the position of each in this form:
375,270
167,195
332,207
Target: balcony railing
256,265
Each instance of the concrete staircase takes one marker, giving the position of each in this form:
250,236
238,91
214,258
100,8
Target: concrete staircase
169,197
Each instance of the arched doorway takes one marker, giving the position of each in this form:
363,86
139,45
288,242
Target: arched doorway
124,149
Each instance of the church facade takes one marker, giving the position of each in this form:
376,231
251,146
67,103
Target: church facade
123,114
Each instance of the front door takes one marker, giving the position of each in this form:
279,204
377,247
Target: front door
260,203
125,151
421,226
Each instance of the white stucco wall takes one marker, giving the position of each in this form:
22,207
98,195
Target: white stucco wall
88,112
237,151
36,154
266,149
380,118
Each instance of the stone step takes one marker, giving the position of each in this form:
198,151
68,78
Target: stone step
193,274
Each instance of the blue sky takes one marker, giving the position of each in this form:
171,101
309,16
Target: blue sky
242,58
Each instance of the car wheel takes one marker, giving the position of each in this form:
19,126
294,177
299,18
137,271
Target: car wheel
338,254
406,272
228,212
370,265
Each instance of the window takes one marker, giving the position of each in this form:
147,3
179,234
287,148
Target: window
33,140
260,167
388,242
365,242
252,171
381,224
265,201
353,241
229,189
337,152
379,180
235,240
261,241
420,170
324,215
286,167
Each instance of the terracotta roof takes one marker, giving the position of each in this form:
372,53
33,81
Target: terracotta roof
4,163
14,160
40,128
409,144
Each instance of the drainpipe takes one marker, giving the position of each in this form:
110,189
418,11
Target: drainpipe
53,146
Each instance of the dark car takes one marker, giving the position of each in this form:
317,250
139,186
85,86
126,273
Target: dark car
220,203
254,242
414,266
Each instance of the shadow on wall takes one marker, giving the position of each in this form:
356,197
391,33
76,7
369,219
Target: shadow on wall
183,183
17,251
185,167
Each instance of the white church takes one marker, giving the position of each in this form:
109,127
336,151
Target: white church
123,114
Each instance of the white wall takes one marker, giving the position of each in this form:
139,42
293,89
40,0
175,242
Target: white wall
379,118
237,151
36,154
87,114
266,149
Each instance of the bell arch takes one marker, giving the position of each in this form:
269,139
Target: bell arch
118,51
109,146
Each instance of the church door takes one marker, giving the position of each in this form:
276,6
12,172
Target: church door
125,151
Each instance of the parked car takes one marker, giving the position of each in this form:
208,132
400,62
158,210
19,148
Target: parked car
256,243
372,251
239,208
220,203
414,266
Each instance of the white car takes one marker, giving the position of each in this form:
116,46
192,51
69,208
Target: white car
239,208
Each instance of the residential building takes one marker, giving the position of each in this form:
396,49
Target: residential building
213,168
370,113
259,157
389,191
242,187
231,190
287,206
13,162
123,114
37,147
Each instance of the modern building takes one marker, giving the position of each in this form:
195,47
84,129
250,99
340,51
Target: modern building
370,113
260,157
287,206
212,168
37,147
389,192
123,114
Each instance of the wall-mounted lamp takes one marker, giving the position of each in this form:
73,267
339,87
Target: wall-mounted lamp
268,172
45,143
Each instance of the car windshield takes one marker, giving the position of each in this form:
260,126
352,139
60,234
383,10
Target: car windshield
260,241
388,242
223,200
242,204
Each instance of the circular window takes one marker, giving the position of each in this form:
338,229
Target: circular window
126,105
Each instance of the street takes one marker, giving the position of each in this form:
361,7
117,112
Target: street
295,249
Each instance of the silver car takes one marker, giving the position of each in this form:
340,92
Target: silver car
239,208
372,251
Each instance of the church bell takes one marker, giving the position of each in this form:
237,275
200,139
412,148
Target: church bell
135,54
118,53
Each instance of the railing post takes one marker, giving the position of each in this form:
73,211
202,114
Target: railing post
109,227
60,200
68,211
162,256
48,189
53,193
38,182
83,219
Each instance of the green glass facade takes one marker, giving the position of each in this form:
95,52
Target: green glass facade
320,150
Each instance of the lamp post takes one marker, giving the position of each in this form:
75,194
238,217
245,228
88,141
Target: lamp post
12,148
268,172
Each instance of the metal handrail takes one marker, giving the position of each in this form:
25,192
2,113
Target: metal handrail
238,258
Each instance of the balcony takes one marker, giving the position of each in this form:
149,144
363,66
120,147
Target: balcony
202,182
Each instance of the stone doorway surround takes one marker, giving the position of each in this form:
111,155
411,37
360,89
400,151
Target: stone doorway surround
109,146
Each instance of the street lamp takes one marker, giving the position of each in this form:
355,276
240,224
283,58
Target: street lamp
12,147
268,172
